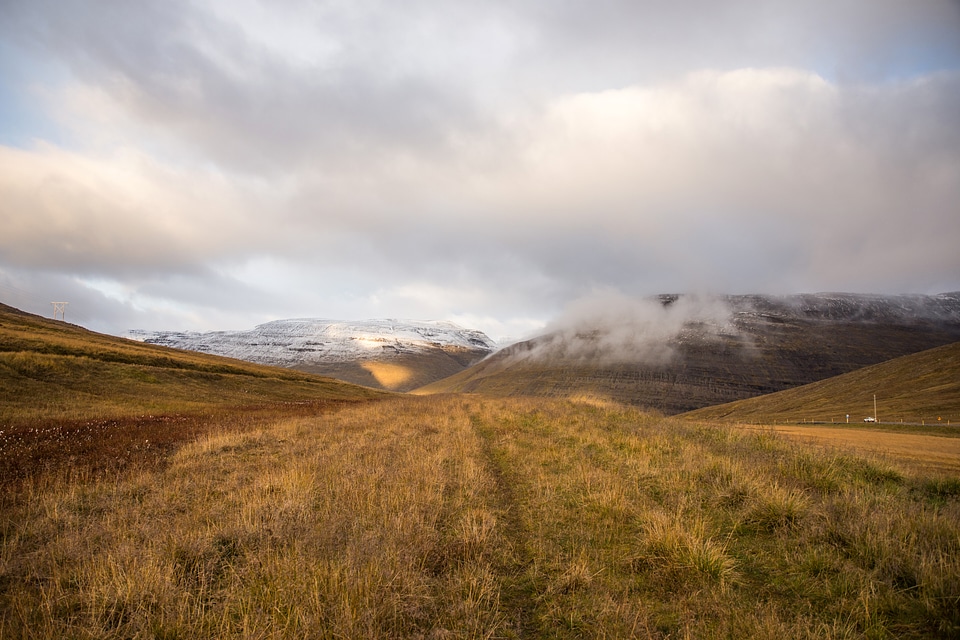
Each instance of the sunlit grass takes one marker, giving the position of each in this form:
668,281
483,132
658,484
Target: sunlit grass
388,375
463,517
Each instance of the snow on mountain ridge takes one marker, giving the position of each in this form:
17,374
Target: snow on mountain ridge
905,308
302,341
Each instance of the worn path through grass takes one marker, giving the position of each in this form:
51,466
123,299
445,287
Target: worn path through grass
517,578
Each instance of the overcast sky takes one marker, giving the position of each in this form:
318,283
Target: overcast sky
221,163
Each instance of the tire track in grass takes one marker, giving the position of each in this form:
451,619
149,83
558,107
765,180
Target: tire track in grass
516,568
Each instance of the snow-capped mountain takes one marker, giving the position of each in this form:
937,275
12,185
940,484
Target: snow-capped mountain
425,351
288,343
850,307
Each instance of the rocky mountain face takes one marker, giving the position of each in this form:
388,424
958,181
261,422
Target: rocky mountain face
390,354
688,353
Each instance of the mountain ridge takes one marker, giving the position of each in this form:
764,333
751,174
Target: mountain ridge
387,353
682,354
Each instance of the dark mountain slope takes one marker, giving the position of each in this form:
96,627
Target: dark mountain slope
921,387
754,346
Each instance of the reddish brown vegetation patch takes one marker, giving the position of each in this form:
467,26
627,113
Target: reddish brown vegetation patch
105,446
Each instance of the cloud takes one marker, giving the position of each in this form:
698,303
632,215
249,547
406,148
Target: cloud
722,180
773,180
125,213
222,87
491,161
607,327
273,88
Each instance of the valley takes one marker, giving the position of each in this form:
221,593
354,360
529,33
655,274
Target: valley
153,492
338,320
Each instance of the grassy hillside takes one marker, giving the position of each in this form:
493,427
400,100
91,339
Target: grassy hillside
54,370
72,397
476,518
917,388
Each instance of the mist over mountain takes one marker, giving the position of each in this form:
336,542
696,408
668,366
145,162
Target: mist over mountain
393,354
675,353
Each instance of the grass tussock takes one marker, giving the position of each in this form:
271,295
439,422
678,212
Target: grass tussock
460,517
677,552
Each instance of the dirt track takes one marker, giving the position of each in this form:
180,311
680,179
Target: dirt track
925,451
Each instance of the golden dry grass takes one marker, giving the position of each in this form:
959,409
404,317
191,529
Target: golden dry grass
922,451
364,524
388,375
466,517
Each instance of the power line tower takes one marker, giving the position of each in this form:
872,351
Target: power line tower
60,309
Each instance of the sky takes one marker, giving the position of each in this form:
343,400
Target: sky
217,164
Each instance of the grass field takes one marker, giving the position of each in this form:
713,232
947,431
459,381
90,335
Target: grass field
931,452
466,517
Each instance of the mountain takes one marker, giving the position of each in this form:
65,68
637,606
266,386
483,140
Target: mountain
398,355
677,353
921,387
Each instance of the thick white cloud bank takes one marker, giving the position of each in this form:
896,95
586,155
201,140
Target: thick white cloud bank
214,166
